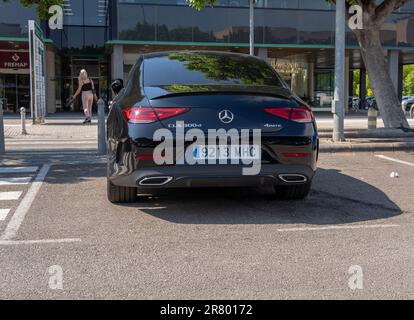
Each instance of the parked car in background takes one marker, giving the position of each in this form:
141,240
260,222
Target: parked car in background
407,104
370,102
354,103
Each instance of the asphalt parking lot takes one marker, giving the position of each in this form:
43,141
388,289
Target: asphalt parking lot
208,243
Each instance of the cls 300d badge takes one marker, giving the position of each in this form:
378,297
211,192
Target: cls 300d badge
185,125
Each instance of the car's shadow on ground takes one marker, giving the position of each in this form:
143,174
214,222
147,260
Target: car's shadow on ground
335,199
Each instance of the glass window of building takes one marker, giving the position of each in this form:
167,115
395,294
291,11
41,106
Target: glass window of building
13,19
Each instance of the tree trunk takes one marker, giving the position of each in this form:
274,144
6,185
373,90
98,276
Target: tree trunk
377,68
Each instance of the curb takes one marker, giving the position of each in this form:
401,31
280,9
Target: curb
371,134
368,135
367,147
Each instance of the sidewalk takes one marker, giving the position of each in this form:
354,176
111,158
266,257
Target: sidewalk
360,139
69,134
53,129
352,122
57,136
368,145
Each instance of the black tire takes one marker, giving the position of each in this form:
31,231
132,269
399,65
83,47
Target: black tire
412,112
117,194
293,192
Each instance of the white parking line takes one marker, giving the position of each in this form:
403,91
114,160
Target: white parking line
370,226
50,140
18,169
395,160
3,214
34,143
21,211
17,125
9,196
29,242
61,154
14,181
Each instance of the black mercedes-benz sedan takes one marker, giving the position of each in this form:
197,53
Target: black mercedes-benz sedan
190,119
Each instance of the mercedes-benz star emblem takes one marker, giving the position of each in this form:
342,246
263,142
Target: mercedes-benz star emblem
226,116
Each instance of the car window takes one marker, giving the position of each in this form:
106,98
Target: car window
207,68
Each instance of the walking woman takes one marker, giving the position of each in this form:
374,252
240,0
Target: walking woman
87,87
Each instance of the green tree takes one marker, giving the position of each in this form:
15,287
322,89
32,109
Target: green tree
374,16
408,80
42,6
357,85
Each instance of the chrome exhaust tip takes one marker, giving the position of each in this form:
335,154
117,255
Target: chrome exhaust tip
155,181
293,178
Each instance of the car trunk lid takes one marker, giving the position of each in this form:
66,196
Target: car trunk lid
223,107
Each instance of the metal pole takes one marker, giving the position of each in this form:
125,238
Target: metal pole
338,105
2,147
23,120
101,127
252,2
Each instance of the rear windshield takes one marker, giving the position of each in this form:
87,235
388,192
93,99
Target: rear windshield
207,68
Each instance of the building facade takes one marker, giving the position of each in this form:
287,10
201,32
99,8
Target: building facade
106,36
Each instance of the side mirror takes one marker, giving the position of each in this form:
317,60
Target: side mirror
117,85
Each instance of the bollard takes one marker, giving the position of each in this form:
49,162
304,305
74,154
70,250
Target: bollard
101,127
2,147
23,120
372,118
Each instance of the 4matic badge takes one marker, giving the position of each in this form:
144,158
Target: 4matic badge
276,126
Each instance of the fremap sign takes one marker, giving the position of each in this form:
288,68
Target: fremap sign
37,72
14,60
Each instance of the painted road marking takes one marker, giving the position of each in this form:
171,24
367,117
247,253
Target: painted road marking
18,169
34,143
15,181
24,206
51,139
371,226
30,242
395,160
61,154
3,214
10,196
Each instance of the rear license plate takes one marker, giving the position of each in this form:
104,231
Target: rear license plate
223,152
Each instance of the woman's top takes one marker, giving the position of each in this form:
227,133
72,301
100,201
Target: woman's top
87,86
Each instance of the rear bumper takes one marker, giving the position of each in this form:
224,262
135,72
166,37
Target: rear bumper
213,176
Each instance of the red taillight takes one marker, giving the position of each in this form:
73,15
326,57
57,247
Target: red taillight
164,113
300,114
140,115
280,112
149,115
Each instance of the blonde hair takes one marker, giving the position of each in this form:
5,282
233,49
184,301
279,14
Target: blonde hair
83,76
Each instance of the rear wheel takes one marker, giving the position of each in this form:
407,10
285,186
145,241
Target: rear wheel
293,192
117,194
